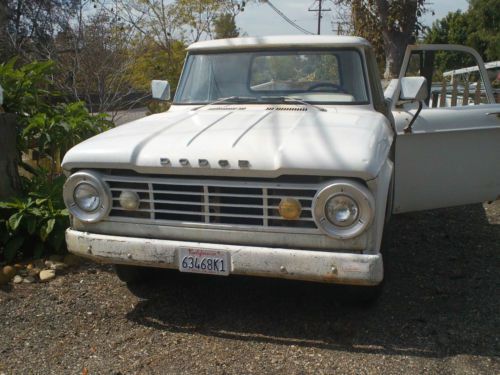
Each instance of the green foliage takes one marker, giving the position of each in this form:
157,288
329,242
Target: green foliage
34,225
225,27
46,125
477,28
26,87
62,126
154,63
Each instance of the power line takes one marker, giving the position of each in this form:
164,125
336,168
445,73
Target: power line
282,15
319,10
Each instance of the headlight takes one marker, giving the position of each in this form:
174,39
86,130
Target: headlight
86,196
343,209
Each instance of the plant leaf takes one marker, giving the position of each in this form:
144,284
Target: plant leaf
46,229
15,220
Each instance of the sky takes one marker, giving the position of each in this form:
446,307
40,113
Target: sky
259,19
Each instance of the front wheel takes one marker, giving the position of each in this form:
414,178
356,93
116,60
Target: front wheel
132,274
358,295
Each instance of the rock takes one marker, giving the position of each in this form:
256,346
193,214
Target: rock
34,271
47,275
29,280
9,272
23,272
17,279
57,266
72,260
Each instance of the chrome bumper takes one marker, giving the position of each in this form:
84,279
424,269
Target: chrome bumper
319,266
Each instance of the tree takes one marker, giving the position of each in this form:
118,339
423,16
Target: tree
477,28
225,27
33,24
4,42
149,63
95,58
389,25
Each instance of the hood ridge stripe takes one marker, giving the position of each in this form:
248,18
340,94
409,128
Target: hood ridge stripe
208,127
138,148
251,127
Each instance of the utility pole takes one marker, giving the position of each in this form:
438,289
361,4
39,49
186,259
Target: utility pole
319,10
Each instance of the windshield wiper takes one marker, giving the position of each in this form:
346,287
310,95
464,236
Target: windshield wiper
234,99
287,99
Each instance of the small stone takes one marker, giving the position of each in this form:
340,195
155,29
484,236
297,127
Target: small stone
29,280
23,272
17,279
29,267
47,275
9,272
57,266
34,271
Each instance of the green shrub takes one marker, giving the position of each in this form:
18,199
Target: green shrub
49,127
34,226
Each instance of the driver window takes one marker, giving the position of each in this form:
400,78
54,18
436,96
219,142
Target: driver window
454,78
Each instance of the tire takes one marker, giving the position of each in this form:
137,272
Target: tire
132,274
363,296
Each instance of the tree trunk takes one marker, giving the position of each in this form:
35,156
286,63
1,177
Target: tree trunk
4,44
395,43
10,183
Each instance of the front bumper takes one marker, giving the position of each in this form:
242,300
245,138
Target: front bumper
319,266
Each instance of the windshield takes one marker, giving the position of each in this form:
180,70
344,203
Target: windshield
316,76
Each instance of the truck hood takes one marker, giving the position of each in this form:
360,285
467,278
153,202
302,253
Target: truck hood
243,141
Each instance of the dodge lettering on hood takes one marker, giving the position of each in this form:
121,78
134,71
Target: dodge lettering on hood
279,157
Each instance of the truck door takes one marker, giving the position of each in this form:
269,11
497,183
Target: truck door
451,155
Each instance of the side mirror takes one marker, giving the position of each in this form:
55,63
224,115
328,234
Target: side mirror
160,89
413,89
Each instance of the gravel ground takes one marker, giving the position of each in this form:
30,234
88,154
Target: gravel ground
439,313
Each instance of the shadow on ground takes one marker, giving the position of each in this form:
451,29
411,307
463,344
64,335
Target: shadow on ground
440,297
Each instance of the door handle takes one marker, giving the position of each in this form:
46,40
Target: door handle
493,114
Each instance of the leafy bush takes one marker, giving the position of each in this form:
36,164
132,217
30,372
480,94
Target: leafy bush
50,127
27,87
34,225
55,131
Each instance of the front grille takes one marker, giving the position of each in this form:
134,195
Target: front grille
211,202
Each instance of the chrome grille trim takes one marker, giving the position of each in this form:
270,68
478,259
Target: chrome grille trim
243,205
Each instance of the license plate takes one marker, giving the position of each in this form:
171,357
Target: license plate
213,262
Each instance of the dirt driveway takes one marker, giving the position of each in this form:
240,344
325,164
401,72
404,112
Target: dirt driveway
440,314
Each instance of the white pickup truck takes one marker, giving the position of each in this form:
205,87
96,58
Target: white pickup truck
282,157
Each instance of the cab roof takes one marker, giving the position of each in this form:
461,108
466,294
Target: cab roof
284,41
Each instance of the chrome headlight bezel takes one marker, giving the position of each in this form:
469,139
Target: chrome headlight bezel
93,179
353,190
